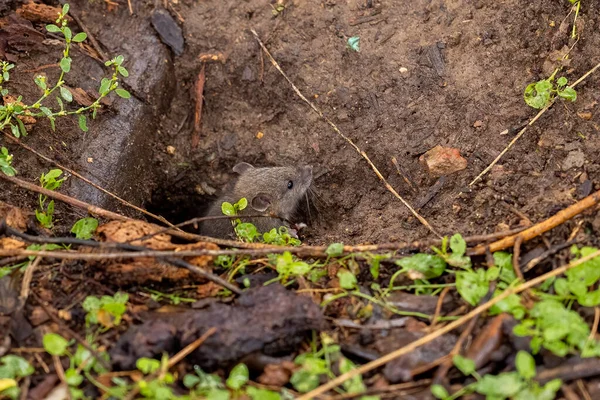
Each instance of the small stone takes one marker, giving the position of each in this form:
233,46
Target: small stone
585,189
259,135
478,124
168,30
248,74
596,223
170,149
90,160
403,70
575,159
443,161
586,115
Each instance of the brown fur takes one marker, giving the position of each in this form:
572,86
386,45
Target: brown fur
267,192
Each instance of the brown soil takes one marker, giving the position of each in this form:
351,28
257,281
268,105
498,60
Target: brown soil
491,51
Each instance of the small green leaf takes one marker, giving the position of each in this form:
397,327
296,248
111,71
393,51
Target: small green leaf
119,60
505,385
492,274
72,377
21,127
458,244
439,392
65,64
55,344
472,285
67,32
66,94
218,394
304,381
568,94
262,394
52,28
104,86
15,130
65,9
60,103
537,95
47,112
525,365
561,287
335,250
189,380
80,37
543,86
465,365
227,209
85,228
12,366
238,377
427,266
40,81
147,365
562,81
241,204
123,93
83,123
123,71
347,279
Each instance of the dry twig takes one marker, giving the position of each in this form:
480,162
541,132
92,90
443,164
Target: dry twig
199,90
542,227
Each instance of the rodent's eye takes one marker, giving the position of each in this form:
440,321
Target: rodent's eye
290,184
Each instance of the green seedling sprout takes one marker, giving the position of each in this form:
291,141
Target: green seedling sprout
49,181
516,385
12,112
6,162
540,94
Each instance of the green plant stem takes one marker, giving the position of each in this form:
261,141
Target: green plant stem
389,307
424,286
465,390
333,298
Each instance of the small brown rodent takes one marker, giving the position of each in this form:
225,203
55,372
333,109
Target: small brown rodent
274,191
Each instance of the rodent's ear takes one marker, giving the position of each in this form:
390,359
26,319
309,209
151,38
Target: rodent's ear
242,167
261,202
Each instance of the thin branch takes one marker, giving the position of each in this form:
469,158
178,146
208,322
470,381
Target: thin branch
542,227
307,251
169,258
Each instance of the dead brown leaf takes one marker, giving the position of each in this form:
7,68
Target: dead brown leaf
143,271
26,119
126,231
209,289
277,374
11,244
